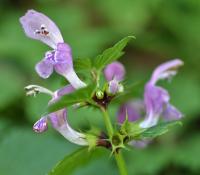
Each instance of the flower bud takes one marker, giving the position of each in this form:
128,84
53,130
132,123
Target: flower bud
41,125
99,94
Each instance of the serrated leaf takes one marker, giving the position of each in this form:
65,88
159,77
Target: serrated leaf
158,130
111,54
82,64
75,160
80,95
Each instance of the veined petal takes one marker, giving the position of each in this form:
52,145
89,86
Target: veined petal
166,70
115,71
38,26
41,125
59,122
44,68
132,109
171,113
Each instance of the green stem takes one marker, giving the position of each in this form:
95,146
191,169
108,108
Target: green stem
118,156
107,122
121,163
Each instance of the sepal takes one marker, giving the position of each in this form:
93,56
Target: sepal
117,142
92,141
131,129
93,136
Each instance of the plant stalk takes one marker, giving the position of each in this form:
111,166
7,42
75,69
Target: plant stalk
118,156
121,163
107,122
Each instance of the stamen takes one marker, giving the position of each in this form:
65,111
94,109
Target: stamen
43,31
37,32
43,27
35,89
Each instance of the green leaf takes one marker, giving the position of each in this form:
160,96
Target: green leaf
159,129
82,64
80,95
75,160
111,54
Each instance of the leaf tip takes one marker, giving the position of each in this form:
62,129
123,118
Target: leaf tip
131,37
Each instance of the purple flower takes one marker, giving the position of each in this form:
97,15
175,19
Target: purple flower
157,99
59,122
58,119
38,26
115,70
114,74
156,102
132,109
41,125
59,60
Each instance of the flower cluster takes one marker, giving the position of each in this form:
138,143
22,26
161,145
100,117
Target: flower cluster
144,113
38,26
155,104
156,99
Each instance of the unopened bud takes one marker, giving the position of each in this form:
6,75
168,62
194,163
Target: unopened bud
99,94
41,125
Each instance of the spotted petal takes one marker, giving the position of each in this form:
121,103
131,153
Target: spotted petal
38,26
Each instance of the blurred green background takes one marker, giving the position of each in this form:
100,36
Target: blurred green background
164,30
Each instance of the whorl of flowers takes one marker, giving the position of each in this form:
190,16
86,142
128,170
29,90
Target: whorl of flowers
135,118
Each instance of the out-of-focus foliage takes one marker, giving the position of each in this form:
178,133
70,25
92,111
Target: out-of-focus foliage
164,30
